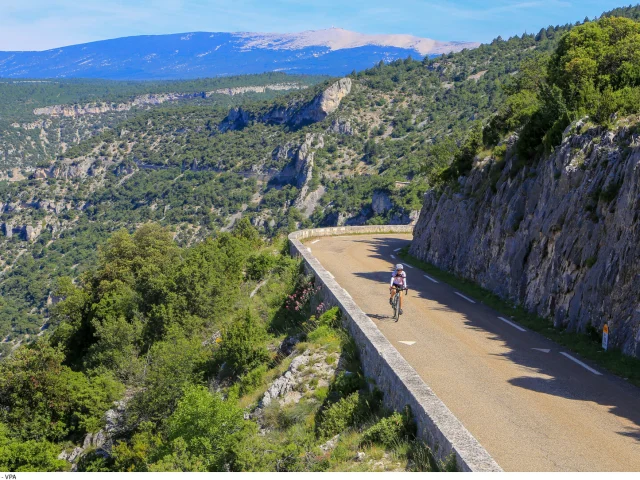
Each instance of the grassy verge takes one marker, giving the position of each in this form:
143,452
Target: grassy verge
587,346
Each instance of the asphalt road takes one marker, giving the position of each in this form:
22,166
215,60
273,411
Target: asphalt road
530,406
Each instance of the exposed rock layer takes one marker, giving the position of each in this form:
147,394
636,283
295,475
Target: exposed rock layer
563,238
147,99
321,106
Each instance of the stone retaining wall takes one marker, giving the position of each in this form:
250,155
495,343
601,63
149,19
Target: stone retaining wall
399,382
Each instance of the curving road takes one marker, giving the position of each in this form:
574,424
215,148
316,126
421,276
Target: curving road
529,404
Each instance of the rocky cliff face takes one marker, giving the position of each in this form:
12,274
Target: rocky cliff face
562,237
322,105
325,103
258,89
307,200
98,108
148,99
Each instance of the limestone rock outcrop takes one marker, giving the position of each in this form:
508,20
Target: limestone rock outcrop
562,237
321,106
341,126
380,202
98,108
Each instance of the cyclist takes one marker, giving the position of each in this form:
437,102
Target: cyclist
398,281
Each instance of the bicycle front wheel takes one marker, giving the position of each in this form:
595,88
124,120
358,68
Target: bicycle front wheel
396,307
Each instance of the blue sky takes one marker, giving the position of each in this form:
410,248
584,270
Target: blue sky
43,24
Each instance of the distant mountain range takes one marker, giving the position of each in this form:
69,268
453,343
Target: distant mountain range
203,54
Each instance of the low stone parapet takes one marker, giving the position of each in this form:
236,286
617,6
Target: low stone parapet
398,381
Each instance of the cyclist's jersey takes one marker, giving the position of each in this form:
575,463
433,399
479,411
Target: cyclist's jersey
399,278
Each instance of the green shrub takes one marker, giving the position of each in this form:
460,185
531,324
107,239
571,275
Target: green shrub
40,398
29,456
243,345
260,264
321,393
594,57
331,318
345,383
323,331
500,151
252,380
387,431
243,229
207,426
341,415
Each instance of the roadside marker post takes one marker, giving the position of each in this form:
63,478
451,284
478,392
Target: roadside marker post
605,337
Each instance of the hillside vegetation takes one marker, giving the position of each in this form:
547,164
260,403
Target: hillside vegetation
402,128
548,219
216,360
149,318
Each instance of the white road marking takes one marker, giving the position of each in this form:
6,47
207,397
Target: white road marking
543,350
466,298
397,249
315,241
406,342
408,266
584,365
393,256
308,249
432,279
514,325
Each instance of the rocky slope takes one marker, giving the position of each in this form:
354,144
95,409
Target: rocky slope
344,152
149,99
561,237
322,105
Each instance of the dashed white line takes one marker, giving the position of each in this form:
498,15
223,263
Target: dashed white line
514,325
393,256
432,279
408,266
584,365
315,241
543,350
406,342
397,249
308,249
466,298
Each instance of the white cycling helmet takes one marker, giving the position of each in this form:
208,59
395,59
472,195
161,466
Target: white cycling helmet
399,267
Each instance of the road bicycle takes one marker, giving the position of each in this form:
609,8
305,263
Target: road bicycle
396,302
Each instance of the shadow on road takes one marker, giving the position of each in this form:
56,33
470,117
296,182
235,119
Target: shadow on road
621,398
382,318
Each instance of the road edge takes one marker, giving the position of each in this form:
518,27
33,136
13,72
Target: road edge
399,382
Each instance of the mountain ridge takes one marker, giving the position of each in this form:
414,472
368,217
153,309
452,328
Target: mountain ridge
333,52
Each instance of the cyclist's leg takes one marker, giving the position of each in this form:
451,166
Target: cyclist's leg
400,294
